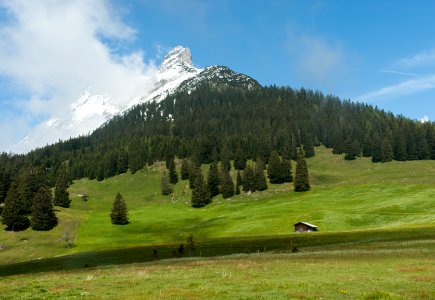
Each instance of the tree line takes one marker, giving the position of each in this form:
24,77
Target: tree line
228,122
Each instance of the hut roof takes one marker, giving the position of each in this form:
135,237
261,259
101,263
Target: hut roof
306,223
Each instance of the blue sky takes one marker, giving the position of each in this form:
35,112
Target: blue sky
379,52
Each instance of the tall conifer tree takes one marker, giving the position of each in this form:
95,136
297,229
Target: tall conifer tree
287,170
200,194
301,178
260,181
225,158
173,177
43,216
166,186
275,168
61,195
119,212
213,180
249,179
239,182
30,181
239,159
227,185
13,215
184,169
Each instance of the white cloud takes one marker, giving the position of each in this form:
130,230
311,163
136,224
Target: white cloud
397,72
316,57
403,88
420,59
425,119
53,50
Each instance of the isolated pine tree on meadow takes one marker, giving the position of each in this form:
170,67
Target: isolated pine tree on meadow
200,194
43,216
167,188
118,215
61,195
301,178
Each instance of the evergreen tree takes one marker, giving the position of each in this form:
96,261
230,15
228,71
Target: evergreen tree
135,160
122,164
239,159
173,177
213,180
260,181
193,171
338,146
225,159
61,195
367,147
248,179
351,149
169,156
227,185
167,188
400,148
386,151
43,216
184,169
309,146
118,215
275,168
5,182
287,170
200,194
376,153
100,173
301,178
30,181
12,215
239,182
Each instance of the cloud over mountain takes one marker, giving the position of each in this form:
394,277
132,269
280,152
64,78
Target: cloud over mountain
53,50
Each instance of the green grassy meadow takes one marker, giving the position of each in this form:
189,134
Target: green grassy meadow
374,220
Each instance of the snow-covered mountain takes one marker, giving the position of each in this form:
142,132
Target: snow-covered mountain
176,72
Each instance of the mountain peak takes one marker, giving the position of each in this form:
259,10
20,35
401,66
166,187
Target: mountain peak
176,73
177,56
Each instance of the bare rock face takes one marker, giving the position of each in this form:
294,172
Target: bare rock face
176,57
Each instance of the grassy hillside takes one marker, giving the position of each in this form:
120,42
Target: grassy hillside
346,196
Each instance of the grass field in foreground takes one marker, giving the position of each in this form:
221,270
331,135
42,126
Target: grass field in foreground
372,270
347,196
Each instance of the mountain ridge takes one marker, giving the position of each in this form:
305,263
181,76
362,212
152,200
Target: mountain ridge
90,111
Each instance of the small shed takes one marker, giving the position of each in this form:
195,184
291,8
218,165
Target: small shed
305,227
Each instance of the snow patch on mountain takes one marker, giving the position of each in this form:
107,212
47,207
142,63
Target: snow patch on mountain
90,110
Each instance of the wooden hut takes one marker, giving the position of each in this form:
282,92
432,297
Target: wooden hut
305,227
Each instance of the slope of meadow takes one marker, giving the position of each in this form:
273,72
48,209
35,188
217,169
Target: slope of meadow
346,196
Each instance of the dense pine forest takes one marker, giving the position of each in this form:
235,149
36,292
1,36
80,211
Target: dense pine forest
248,123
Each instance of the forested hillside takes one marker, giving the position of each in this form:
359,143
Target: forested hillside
253,121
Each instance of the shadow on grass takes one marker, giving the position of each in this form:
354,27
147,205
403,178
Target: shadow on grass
216,247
